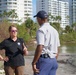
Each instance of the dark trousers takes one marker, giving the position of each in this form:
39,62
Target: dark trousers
9,70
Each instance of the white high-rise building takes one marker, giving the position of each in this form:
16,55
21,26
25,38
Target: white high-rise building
55,8
72,11
23,8
64,13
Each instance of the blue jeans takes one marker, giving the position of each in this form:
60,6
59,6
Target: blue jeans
47,66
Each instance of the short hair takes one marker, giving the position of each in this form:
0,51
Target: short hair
10,27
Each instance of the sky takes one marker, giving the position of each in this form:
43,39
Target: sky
34,8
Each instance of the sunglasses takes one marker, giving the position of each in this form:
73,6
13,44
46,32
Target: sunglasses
13,30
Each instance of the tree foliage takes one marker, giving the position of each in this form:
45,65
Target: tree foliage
4,30
28,29
31,26
74,26
22,30
8,14
67,29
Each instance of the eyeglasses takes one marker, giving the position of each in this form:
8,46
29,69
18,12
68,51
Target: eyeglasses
13,30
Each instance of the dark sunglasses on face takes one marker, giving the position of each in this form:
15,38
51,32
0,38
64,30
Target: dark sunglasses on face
13,30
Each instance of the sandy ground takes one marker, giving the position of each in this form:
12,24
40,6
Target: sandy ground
63,69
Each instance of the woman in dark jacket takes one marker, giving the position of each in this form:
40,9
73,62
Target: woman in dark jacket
15,50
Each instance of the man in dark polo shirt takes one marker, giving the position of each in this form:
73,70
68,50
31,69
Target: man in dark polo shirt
15,50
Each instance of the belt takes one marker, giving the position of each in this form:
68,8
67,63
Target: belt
44,55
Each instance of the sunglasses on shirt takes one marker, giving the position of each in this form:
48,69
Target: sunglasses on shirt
13,30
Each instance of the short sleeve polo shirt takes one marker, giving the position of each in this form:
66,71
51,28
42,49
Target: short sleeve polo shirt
14,51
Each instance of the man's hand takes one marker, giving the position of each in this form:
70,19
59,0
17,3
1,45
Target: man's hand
34,68
57,53
56,56
36,58
25,51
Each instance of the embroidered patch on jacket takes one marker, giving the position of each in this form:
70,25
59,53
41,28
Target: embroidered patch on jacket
18,43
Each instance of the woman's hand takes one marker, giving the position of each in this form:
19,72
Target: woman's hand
25,51
1,58
6,59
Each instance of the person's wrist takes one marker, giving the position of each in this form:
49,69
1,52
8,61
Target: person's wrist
33,63
25,49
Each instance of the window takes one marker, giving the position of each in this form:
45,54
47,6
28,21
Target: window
42,0
25,1
14,3
5,0
29,1
5,3
25,4
29,4
9,3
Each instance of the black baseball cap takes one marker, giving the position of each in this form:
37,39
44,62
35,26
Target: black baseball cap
41,14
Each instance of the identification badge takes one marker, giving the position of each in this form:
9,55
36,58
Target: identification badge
18,43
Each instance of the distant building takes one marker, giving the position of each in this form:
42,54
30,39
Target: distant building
72,11
23,8
55,8
64,13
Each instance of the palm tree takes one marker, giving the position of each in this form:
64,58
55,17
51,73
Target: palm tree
56,25
51,17
58,18
0,15
4,15
27,15
67,29
30,25
74,26
12,15
67,17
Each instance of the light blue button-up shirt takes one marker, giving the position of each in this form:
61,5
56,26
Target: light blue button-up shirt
49,37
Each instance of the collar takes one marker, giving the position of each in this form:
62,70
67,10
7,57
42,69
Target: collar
46,23
12,40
